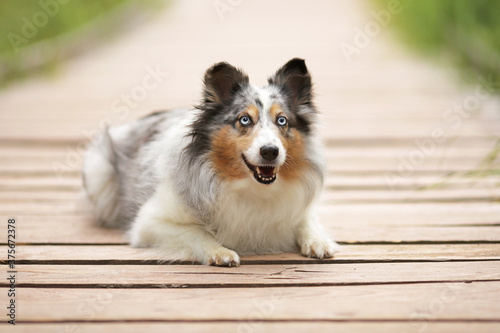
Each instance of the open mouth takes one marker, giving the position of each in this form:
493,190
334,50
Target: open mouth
265,174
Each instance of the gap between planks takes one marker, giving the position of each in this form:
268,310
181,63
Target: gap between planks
298,327
195,276
127,255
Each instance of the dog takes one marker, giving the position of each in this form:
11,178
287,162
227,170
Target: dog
238,174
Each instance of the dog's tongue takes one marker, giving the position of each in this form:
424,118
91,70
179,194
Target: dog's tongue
266,171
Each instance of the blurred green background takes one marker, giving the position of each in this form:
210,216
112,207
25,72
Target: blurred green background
36,35
464,32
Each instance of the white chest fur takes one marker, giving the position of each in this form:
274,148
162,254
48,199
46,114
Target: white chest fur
254,218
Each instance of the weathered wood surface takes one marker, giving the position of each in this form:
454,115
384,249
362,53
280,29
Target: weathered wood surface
124,254
308,303
43,227
257,325
419,219
164,276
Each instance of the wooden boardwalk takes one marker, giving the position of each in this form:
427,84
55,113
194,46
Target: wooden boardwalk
418,214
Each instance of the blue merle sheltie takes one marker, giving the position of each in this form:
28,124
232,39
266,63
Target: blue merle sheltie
238,174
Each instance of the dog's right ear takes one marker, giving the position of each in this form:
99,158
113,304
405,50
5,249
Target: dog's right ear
222,81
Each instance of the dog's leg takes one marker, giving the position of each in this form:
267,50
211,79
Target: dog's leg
164,222
312,239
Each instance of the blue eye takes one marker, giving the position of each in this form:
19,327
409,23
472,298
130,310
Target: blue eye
245,121
281,121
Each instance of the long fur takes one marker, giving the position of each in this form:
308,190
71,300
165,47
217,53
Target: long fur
188,181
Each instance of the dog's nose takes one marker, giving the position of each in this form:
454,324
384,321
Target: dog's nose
269,152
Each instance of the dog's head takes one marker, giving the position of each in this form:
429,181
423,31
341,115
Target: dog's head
250,131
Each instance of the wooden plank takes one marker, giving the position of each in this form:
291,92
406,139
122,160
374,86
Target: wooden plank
395,148
36,143
71,156
415,181
44,188
355,164
67,199
69,162
421,185
60,169
42,144
40,181
63,229
362,181
24,162
59,196
355,167
425,214
73,232
261,327
400,196
47,171
376,327
373,214
69,194
377,180
392,164
163,276
47,229
42,209
415,234
47,145
390,157
124,254
431,301
42,171
60,150
489,191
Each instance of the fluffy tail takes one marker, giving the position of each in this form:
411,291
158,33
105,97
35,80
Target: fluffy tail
101,180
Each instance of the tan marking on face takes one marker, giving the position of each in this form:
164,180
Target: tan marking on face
227,147
296,161
275,110
253,112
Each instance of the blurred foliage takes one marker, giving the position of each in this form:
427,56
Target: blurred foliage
466,31
60,17
32,32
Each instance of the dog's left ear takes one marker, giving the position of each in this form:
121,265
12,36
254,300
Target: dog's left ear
294,79
222,81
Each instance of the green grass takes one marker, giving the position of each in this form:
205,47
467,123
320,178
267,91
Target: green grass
32,31
467,32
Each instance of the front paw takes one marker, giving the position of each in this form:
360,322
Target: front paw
318,248
223,257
